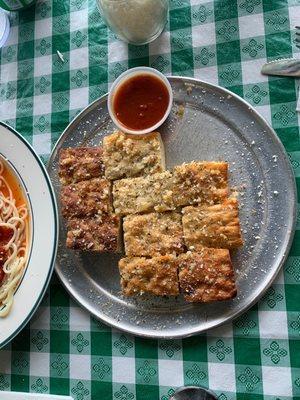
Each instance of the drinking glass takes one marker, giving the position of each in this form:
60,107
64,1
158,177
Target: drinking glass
135,21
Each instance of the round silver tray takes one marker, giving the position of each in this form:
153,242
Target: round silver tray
206,123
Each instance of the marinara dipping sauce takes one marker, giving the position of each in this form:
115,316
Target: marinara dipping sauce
140,101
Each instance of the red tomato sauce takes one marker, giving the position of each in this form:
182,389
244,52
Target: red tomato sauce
6,234
141,101
3,258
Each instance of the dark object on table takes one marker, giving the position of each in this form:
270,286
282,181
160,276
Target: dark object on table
193,393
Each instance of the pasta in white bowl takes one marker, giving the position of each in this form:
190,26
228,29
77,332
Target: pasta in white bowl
14,236
28,232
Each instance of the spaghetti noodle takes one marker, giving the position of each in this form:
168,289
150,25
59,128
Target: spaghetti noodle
13,238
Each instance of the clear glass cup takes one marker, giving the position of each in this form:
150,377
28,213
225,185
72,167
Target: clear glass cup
135,21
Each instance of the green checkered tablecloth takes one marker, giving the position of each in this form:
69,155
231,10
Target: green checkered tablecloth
63,350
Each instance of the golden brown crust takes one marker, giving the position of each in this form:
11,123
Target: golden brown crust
80,163
206,276
143,194
153,234
212,226
86,198
156,275
200,183
128,156
99,234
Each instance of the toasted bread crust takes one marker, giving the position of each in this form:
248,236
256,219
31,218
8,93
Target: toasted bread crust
99,234
156,275
200,183
193,183
212,226
80,164
143,194
128,156
86,198
206,276
153,234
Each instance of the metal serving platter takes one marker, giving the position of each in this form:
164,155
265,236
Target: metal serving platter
206,123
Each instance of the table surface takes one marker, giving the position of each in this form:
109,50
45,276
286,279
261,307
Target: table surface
63,350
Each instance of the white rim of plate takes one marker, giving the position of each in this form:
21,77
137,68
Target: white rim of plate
5,31
126,75
44,230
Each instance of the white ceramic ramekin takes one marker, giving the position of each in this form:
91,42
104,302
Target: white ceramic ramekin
120,80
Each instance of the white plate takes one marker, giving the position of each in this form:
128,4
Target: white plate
32,396
44,231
